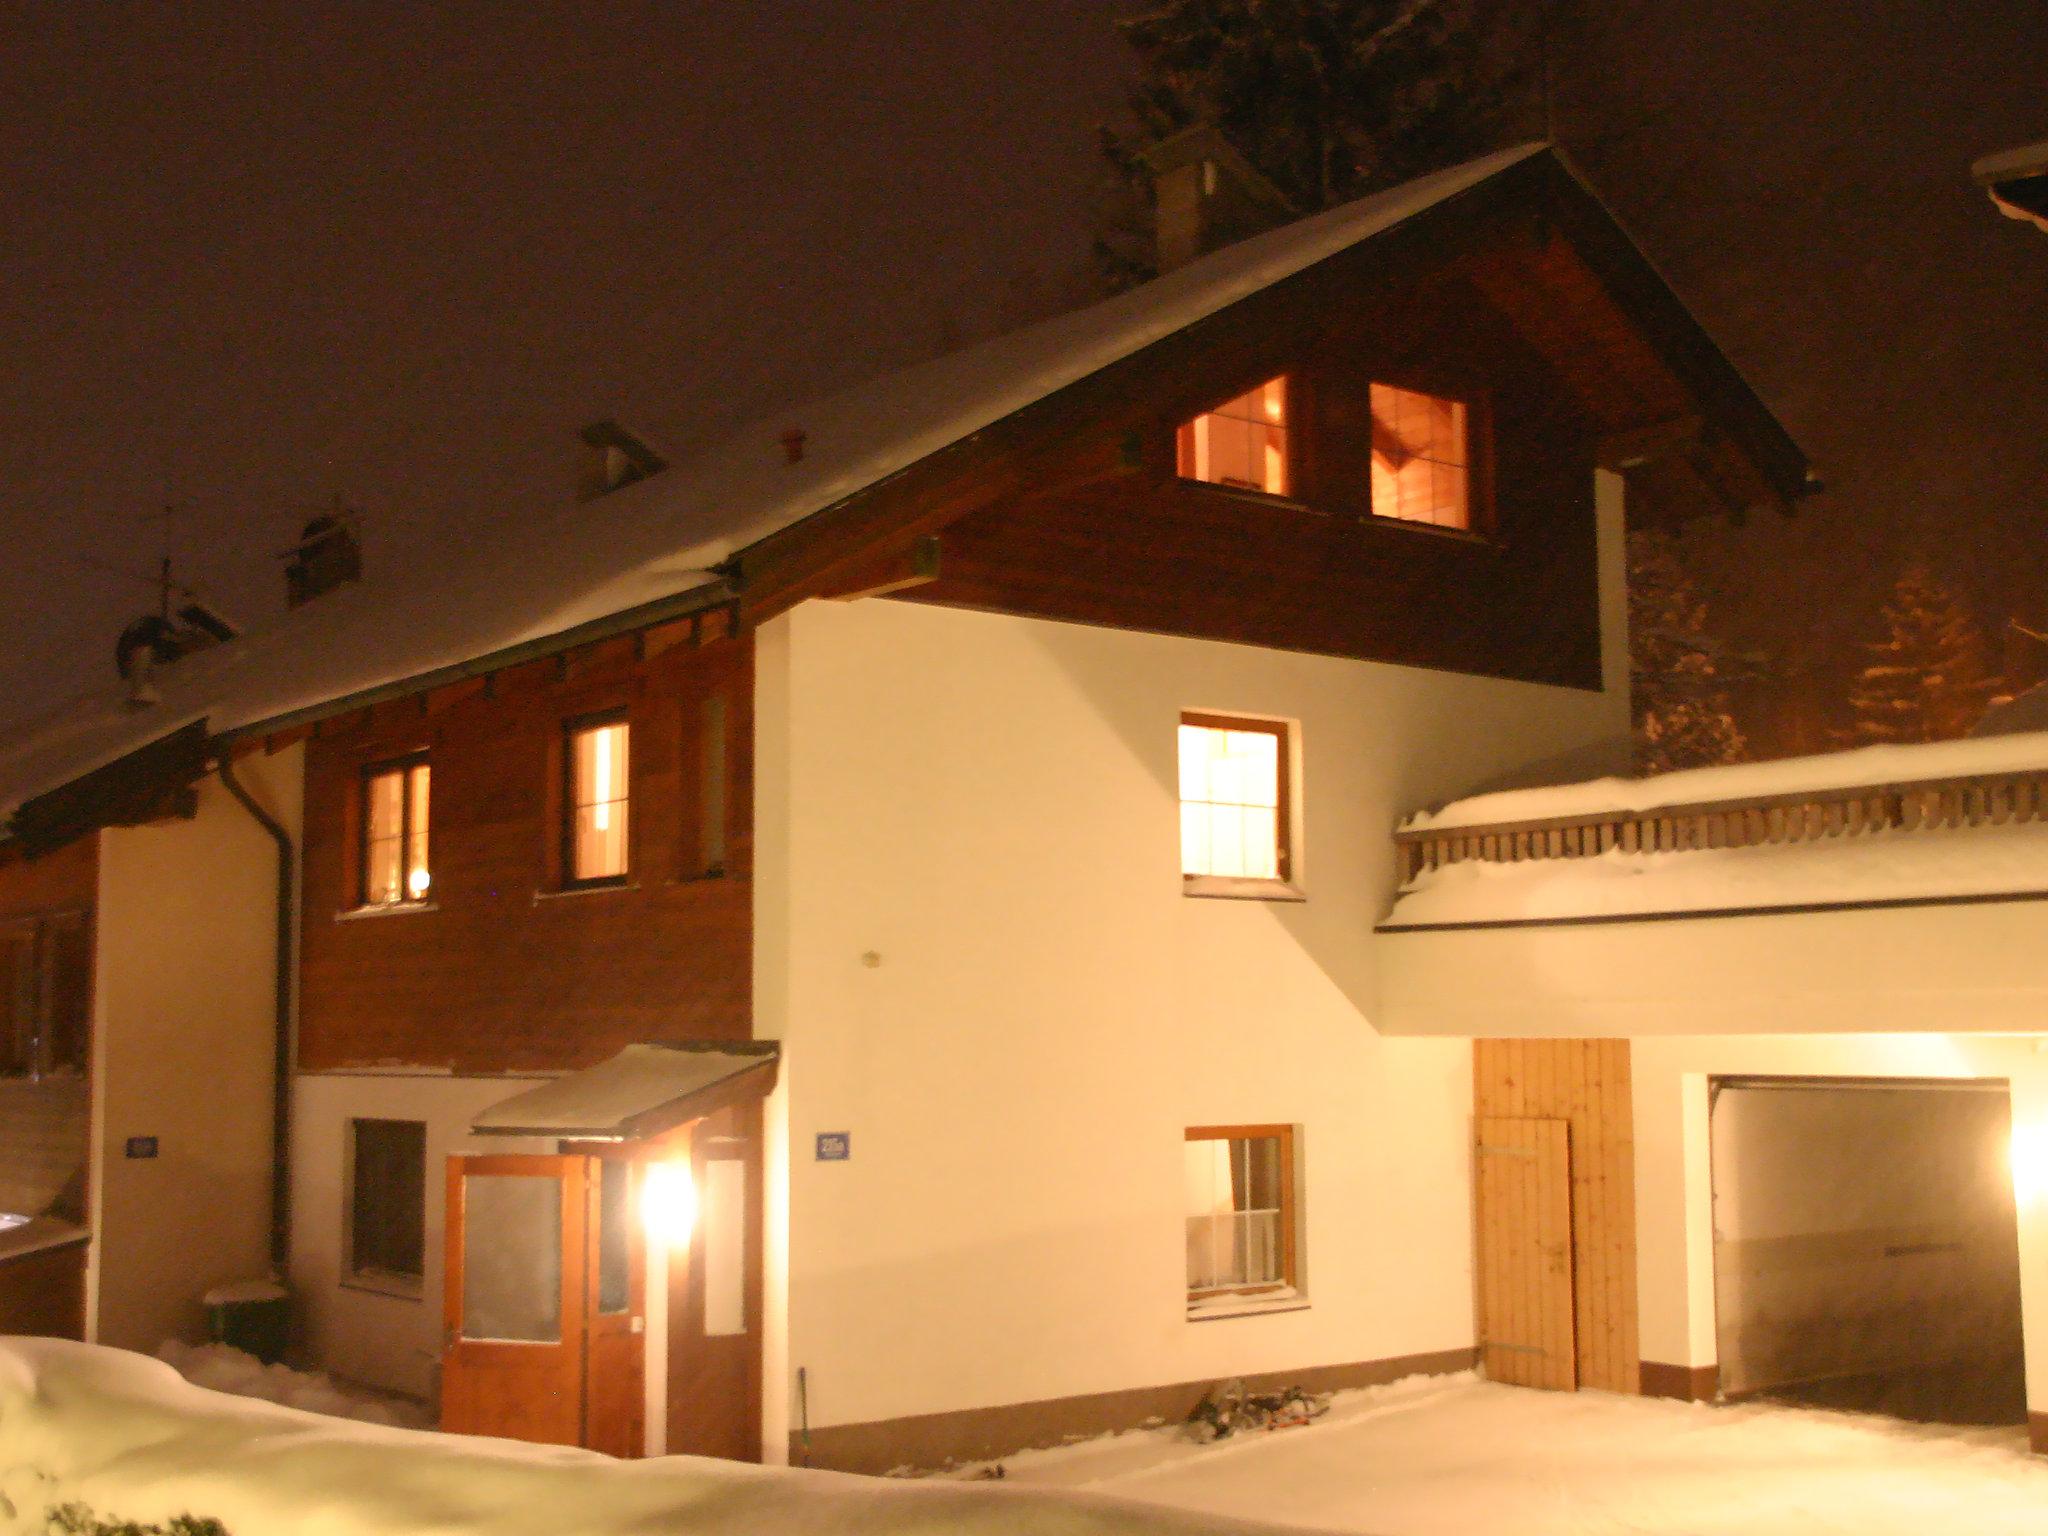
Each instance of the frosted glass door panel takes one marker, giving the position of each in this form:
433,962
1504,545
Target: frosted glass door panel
512,1258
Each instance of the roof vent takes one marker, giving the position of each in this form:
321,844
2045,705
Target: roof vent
328,555
1206,195
158,639
612,457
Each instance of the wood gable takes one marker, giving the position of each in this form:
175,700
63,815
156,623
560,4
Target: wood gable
1521,291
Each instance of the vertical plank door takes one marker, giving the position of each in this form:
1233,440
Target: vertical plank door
1522,1185
517,1273
615,1314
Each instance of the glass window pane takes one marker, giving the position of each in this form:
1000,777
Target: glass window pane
600,841
724,1219
1420,457
511,1258
598,791
614,1235
1243,442
387,1201
417,876
1230,797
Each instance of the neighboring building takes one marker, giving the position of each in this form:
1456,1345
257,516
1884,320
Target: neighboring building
1013,743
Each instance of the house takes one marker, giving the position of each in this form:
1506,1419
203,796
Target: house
857,945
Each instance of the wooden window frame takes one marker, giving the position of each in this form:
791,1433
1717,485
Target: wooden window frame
1293,411
1478,403
30,1016
357,1276
1289,1283
370,774
565,850
1281,886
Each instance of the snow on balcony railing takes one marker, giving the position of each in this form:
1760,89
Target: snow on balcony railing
1795,816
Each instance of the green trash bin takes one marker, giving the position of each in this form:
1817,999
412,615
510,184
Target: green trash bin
253,1316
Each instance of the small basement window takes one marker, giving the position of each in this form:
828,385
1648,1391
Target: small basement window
1241,443
395,867
1234,813
1241,1215
387,1204
597,802
1421,458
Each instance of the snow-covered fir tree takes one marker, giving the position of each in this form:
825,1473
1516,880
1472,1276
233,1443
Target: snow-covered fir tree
1329,99
1928,679
1679,673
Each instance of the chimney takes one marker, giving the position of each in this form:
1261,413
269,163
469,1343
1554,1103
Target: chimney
328,555
612,457
1206,195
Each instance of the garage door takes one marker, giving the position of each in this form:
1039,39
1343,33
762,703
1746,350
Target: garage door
1865,1247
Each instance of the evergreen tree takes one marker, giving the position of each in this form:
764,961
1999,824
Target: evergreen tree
1928,679
1679,674
1329,99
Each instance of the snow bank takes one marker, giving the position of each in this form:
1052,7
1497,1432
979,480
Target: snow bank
124,1436
1864,767
223,1368
1869,867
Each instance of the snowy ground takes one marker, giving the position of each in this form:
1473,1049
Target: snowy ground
221,1368
1459,1457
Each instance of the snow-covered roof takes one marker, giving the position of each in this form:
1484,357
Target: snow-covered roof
548,572
1859,768
642,1091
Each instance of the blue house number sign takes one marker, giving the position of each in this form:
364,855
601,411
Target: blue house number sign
835,1146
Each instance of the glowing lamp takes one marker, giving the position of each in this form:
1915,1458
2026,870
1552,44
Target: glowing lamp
2029,1162
417,882
668,1203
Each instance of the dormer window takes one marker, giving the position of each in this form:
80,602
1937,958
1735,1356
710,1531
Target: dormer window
1421,458
1242,443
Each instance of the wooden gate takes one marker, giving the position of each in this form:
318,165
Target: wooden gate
1523,1187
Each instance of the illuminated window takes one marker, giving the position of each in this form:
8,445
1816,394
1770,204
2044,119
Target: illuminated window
1421,458
1243,442
387,1205
597,802
1239,1182
395,834
1233,798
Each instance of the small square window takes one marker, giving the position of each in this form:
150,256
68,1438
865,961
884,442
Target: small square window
1241,1215
1421,458
596,803
394,854
1234,799
387,1203
1241,443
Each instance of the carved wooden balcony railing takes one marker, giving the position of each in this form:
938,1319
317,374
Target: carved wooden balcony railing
1796,817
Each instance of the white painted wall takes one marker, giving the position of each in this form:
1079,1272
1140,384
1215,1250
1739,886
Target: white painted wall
184,1012
381,1340
986,807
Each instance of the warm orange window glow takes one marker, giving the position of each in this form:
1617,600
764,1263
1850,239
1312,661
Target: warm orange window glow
1421,462
395,835
1243,442
1233,808
597,802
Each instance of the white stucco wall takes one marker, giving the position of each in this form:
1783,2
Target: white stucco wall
372,1336
972,938
184,1012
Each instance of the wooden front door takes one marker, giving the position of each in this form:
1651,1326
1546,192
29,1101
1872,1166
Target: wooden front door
1522,1183
545,1311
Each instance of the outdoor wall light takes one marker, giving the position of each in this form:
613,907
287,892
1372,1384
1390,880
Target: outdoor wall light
668,1203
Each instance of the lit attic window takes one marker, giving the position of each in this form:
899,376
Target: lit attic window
1241,443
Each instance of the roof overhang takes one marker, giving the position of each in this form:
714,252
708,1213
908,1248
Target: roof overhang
144,785
643,1092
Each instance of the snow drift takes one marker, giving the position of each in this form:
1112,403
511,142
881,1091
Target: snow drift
124,1436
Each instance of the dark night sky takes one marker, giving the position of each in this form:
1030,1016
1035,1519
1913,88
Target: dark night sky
255,256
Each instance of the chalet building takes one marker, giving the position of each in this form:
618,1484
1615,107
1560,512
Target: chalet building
858,945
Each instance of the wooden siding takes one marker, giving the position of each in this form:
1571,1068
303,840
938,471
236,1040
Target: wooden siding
1585,1083
498,972
66,880
43,1293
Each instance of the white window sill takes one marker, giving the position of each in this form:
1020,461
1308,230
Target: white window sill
600,888
378,1283
386,909
1214,1308
1232,888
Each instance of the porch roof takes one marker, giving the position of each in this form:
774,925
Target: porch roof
642,1092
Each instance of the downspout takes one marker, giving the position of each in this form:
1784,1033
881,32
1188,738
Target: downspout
281,1085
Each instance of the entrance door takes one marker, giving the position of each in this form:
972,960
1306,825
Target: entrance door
1523,1183
544,1302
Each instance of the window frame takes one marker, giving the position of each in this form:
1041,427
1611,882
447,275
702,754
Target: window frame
1288,1286
1478,466
404,764
1282,885
377,1278
45,1029
1293,413
573,728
